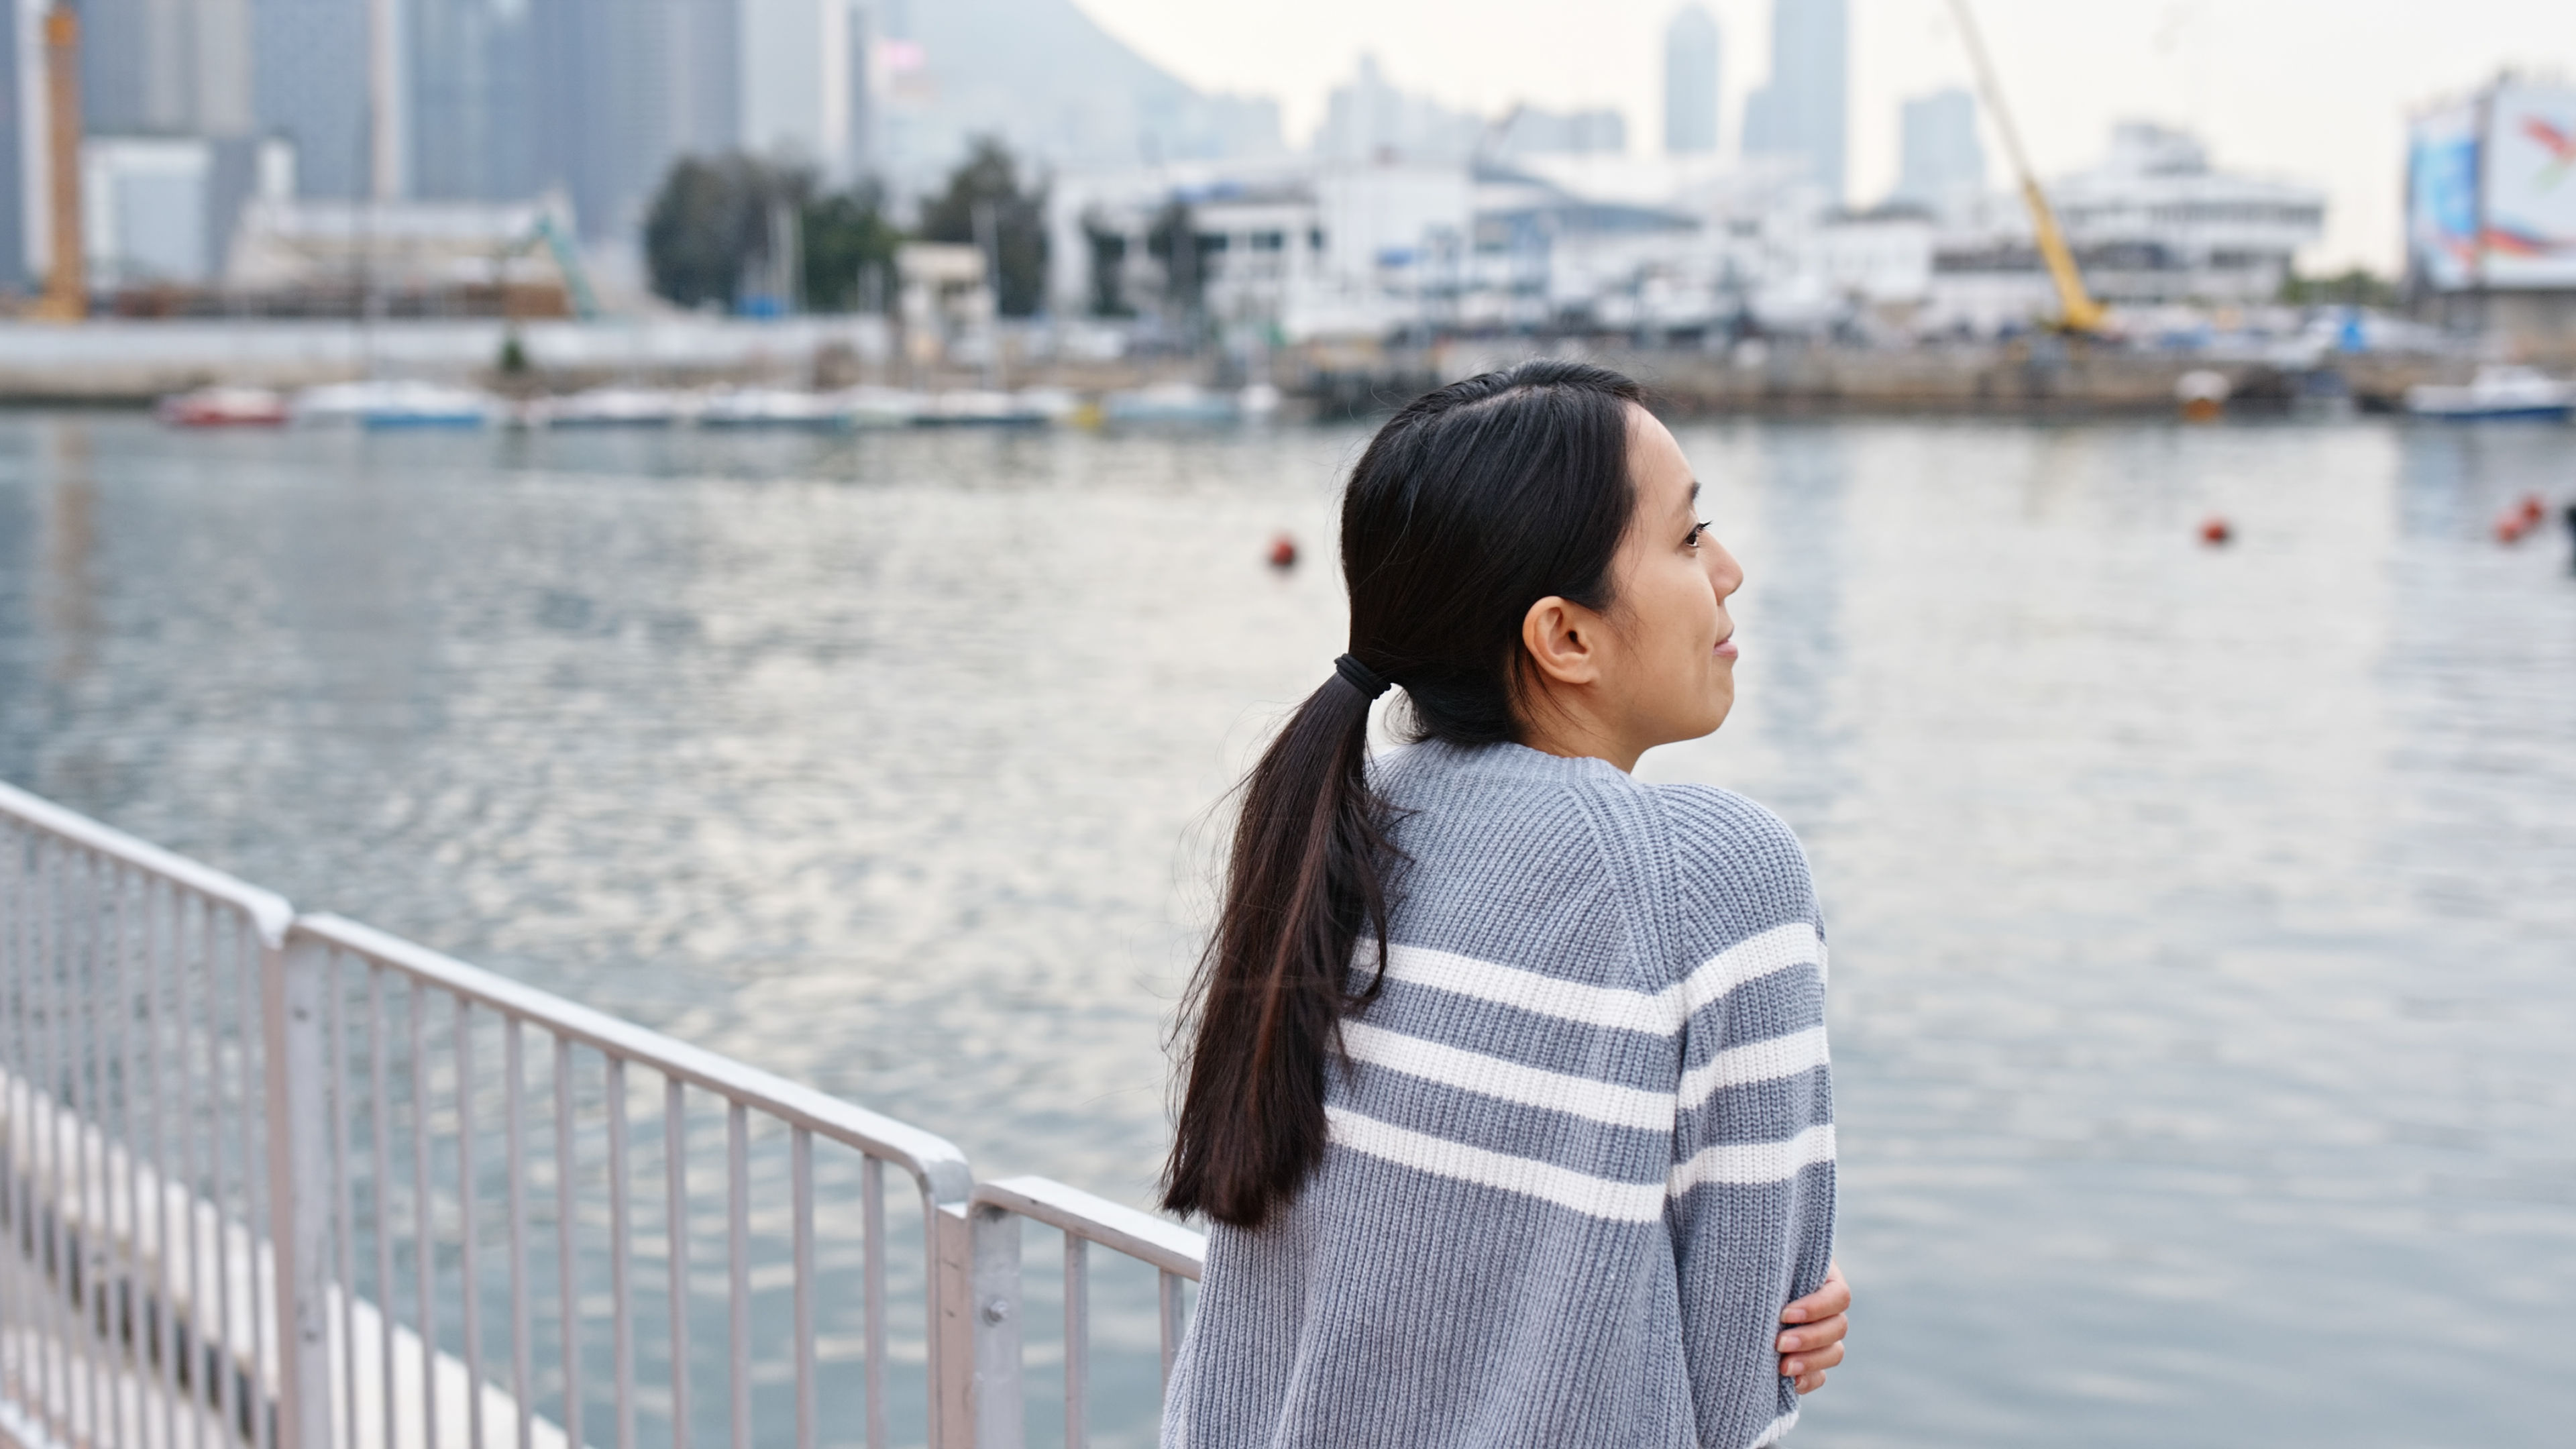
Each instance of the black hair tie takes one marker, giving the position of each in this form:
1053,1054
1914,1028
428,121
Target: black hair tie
1359,676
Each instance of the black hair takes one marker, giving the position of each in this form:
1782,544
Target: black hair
1471,504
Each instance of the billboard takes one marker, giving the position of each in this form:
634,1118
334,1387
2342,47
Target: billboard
2491,189
2529,236
2442,197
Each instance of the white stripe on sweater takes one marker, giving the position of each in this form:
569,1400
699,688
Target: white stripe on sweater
1758,1061
1658,1013
1771,1435
1492,1076
1600,1197
1741,1163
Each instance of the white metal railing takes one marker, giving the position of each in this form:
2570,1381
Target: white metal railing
287,1182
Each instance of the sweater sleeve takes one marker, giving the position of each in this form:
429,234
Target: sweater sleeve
1750,1205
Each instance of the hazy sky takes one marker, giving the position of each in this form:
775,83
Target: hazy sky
2311,89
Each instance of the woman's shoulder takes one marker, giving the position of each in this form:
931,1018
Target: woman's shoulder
1740,875
1709,822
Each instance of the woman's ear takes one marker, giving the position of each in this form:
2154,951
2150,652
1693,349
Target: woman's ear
1564,640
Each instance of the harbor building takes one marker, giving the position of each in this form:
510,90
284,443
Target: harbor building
2153,223
1691,71
1802,113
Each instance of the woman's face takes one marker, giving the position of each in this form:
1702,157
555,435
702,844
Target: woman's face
1671,675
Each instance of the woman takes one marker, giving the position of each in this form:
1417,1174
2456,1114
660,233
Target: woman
1507,1093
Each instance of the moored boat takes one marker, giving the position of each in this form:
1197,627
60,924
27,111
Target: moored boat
2498,391
612,407
224,407
403,404
773,407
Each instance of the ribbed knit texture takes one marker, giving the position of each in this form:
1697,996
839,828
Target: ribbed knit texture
1582,1146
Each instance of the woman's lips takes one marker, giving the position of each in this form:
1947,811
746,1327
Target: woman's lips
1726,647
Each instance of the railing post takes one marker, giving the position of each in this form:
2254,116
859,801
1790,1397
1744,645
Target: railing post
1000,1422
952,1331
293,977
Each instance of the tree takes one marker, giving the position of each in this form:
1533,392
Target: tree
1185,263
989,178
2358,287
1108,267
712,224
846,237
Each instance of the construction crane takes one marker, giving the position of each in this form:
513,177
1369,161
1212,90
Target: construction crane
66,297
2077,311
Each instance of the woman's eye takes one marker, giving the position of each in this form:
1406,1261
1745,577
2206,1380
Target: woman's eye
1696,530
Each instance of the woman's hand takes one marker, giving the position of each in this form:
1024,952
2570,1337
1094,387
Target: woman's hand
1815,1341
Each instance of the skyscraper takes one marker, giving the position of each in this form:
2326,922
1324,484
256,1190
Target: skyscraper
1690,82
1802,112
468,80
309,62
1941,164
164,66
15,138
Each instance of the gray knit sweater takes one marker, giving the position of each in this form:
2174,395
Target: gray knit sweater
1582,1146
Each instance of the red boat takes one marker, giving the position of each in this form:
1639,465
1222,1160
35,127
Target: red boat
224,407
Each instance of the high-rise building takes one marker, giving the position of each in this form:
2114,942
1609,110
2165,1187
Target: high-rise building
1941,163
166,66
1690,82
309,77
468,81
19,132
1803,111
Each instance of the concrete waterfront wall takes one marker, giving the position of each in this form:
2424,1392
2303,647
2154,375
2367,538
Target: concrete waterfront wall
112,361
136,361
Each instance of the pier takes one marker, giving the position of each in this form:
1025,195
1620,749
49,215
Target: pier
278,1180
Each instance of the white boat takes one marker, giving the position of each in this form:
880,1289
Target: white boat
880,407
968,408
774,407
612,407
1183,402
2498,391
396,405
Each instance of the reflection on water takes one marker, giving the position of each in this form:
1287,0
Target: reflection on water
2203,986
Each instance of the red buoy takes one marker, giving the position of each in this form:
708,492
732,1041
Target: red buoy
1283,553
2214,531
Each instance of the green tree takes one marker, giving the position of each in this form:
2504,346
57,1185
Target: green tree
1108,268
2358,287
710,224
990,177
1185,263
846,236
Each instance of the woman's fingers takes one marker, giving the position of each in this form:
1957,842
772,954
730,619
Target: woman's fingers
1825,1302
1814,1335
1815,1362
1815,1343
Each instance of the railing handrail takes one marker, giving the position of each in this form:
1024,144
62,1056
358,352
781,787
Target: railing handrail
939,1165
267,910
1143,1236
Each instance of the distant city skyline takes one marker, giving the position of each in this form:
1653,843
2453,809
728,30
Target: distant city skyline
2312,89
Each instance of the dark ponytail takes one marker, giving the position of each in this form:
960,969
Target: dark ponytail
1470,505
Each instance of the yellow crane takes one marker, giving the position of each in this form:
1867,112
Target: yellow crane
2077,311
66,297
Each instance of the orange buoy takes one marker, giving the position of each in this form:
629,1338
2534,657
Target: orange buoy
2510,528
2214,531
2532,512
1283,553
